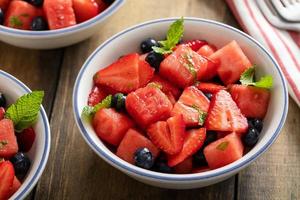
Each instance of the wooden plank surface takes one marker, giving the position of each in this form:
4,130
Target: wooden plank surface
73,170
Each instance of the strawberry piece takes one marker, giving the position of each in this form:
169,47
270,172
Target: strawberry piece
233,62
7,175
252,101
195,45
8,141
96,95
191,104
166,86
2,113
207,50
210,87
185,166
148,105
146,73
183,67
15,186
111,126
168,136
26,139
101,5
193,142
132,141
224,151
224,114
85,9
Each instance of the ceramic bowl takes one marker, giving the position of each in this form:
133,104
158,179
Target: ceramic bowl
38,154
214,32
57,38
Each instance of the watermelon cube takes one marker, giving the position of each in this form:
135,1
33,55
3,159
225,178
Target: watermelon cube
8,140
224,151
132,141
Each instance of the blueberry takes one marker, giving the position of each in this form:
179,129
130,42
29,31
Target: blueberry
251,138
39,24
208,95
146,45
118,101
36,2
108,1
161,166
2,100
211,136
1,16
199,158
154,59
21,164
255,123
143,158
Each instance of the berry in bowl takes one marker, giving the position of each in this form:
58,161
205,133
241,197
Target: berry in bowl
45,24
172,104
24,138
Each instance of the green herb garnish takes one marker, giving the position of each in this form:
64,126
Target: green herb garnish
2,144
202,115
15,21
24,112
174,35
247,78
88,112
223,146
155,85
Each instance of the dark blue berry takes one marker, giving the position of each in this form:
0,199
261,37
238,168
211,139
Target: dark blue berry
2,100
36,2
161,166
118,101
146,45
199,158
21,164
39,24
208,95
154,59
255,123
143,158
1,16
211,136
251,138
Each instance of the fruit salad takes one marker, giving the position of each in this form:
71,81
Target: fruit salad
40,15
16,139
179,106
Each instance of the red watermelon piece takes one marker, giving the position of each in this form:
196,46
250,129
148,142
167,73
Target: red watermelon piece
8,140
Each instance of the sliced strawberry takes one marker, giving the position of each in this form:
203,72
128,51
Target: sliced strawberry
185,166
7,175
168,136
252,101
209,87
96,95
2,113
85,9
102,5
15,186
132,141
148,105
26,139
191,104
183,67
195,45
111,125
224,114
8,141
207,50
146,73
193,142
166,86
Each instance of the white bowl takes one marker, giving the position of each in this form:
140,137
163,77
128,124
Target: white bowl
57,38
12,88
214,32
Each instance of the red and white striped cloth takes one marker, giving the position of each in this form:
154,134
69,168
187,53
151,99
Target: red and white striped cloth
284,45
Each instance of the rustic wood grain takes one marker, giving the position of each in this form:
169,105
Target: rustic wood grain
73,170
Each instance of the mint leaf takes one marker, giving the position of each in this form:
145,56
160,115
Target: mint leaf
3,143
223,146
174,35
202,115
88,112
155,85
25,111
247,78
15,21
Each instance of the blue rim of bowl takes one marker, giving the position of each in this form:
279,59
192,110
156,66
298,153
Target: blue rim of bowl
106,13
172,177
42,164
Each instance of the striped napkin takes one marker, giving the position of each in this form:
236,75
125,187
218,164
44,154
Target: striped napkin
284,45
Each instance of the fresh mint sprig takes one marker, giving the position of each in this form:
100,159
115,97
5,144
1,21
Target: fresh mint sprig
174,35
24,112
247,78
89,111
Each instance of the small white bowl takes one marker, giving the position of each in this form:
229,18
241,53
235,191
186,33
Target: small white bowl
12,88
57,38
214,32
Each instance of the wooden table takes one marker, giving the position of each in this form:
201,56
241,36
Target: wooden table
75,172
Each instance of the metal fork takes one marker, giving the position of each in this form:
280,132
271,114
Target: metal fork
272,16
288,9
